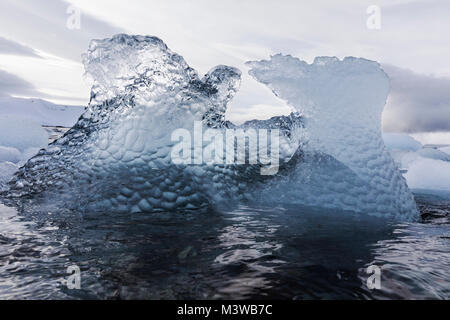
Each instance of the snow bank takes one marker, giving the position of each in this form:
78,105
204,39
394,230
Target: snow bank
43,112
21,133
20,139
427,168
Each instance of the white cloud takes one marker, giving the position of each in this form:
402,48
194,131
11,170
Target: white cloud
52,78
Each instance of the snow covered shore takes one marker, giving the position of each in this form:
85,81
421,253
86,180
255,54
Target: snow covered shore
26,126
425,167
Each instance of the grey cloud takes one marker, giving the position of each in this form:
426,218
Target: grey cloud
42,25
417,102
11,84
11,47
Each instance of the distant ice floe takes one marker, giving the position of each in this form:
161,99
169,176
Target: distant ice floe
425,173
426,168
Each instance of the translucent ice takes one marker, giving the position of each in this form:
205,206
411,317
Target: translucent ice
117,156
346,164
424,167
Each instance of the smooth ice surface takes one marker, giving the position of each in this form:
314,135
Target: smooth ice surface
348,165
117,156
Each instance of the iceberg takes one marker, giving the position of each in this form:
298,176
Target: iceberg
40,111
435,154
429,174
425,168
346,165
117,157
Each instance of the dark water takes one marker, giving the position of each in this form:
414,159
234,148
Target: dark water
284,252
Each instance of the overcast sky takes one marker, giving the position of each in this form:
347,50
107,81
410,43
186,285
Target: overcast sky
40,56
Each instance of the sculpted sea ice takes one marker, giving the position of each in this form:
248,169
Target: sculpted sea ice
346,164
118,156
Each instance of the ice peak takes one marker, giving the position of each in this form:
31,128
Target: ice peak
223,82
119,64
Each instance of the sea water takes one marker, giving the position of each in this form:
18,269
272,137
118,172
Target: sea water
280,252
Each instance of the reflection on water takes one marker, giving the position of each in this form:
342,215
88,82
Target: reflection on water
284,253
415,263
31,261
